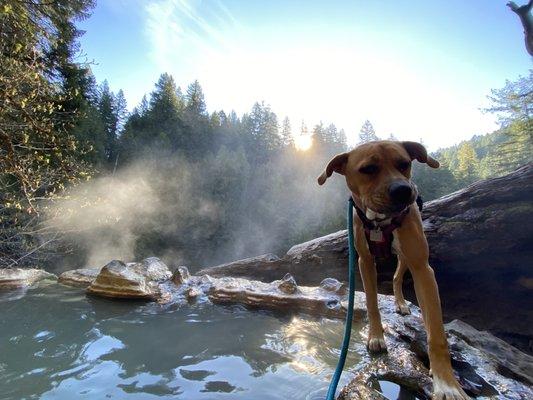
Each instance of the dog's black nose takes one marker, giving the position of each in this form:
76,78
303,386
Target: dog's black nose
400,192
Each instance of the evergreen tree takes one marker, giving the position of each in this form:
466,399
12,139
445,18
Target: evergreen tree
195,99
108,114
367,133
286,133
165,101
467,163
513,104
143,106
319,135
121,107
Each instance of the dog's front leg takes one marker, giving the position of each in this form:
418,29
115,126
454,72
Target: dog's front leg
367,267
401,306
414,253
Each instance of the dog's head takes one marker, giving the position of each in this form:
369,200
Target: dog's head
379,173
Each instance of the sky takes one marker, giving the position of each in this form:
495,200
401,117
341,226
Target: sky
420,70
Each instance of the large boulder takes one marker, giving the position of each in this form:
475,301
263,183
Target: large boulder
15,278
131,281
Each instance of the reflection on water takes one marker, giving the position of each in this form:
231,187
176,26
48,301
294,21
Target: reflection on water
56,343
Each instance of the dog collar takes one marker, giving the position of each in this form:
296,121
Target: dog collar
378,232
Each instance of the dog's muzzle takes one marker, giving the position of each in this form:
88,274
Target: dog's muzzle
401,194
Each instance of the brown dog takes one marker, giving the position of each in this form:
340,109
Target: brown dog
378,175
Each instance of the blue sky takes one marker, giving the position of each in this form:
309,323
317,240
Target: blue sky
418,69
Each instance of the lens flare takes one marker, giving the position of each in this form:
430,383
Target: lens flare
303,142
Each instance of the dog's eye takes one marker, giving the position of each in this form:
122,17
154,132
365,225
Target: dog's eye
369,169
403,165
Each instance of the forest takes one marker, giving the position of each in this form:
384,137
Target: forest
84,180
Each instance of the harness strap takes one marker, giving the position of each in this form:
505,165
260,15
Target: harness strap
379,238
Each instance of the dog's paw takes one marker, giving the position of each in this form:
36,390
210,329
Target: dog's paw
376,344
448,390
403,308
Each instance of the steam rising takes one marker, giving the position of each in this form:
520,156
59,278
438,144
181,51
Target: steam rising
198,213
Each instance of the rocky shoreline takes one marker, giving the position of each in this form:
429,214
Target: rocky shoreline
487,367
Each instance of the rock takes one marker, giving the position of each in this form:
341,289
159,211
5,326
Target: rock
288,285
153,269
14,278
478,370
82,277
193,293
181,275
508,359
333,285
256,294
133,281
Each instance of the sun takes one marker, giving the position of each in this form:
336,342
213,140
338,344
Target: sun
303,142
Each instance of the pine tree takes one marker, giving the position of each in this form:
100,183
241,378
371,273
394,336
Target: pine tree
195,99
165,102
121,107
286,133
467,163
108,114
513,104
367,133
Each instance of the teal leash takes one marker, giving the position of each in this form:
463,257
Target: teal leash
349,314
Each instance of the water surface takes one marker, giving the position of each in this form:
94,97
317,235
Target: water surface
57,343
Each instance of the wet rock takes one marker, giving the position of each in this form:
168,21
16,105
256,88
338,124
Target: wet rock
137,281
82,277
288,284
406,362
181,275
256,294
14,278
193,293
510,360
333,285
153,269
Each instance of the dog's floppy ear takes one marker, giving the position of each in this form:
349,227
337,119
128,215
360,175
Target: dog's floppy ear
337,164
419,153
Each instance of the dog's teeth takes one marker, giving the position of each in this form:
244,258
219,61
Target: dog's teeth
370,214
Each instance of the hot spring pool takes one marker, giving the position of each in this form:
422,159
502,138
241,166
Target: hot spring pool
57,343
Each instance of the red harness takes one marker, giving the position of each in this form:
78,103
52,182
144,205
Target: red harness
380,237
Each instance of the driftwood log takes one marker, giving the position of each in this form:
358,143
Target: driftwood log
481,245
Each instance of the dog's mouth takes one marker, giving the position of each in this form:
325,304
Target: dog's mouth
377,209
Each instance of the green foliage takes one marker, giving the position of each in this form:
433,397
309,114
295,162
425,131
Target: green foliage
40,93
